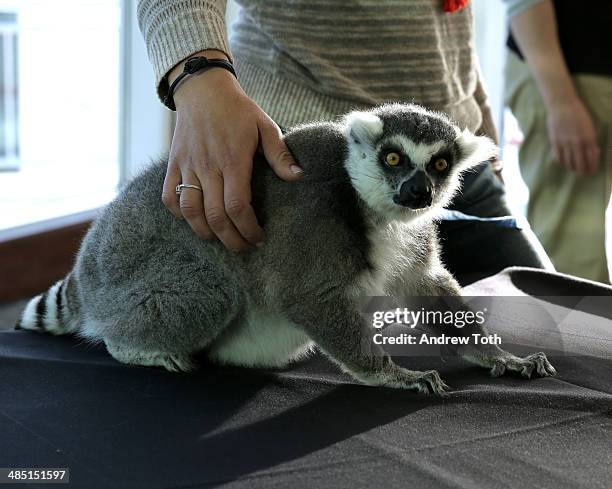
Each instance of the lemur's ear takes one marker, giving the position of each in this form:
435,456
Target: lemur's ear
474,149
363,127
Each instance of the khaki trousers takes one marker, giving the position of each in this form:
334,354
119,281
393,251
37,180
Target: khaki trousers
566,212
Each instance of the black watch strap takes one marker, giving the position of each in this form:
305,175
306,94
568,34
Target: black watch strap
193,65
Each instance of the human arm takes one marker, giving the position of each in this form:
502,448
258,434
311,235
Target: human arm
570,125
218,127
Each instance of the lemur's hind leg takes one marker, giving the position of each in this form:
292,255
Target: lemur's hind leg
165,319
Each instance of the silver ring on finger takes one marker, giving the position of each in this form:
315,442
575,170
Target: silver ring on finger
181,186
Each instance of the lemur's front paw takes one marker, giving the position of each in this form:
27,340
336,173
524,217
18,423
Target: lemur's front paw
428,382
525,366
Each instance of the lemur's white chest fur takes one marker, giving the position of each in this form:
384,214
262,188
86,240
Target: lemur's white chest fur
394,250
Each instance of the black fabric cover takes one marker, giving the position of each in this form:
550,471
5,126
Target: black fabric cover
67,404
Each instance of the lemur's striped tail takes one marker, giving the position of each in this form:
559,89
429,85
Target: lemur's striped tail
49,312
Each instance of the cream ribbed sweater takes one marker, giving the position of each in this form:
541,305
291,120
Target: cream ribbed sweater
310,59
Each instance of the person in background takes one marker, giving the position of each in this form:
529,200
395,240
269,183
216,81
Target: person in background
311,60
559,87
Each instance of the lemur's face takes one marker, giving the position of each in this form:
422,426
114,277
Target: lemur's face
405,161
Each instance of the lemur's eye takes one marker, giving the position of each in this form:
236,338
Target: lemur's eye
392,158
440,164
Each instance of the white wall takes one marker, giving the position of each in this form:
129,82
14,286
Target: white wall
491,32
231,12
145,124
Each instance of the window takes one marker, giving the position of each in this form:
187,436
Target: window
59,107
9,143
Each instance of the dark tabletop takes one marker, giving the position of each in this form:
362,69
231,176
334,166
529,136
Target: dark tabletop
64,403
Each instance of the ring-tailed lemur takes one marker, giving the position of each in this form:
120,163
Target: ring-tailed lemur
360,222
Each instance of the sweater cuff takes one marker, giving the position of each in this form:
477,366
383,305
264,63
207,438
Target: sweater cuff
174,34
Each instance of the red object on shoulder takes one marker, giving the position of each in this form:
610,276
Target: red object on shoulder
454,5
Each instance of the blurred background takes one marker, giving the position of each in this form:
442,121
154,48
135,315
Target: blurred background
78,118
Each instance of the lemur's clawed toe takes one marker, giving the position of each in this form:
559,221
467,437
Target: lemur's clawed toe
430,382
526,367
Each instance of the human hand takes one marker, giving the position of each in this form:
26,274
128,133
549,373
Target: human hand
573,137
218,130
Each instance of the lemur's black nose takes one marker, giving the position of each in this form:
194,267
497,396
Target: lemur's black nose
415,192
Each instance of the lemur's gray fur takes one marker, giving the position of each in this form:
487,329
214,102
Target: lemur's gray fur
353,226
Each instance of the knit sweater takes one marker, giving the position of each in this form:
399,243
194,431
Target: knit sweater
305,60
